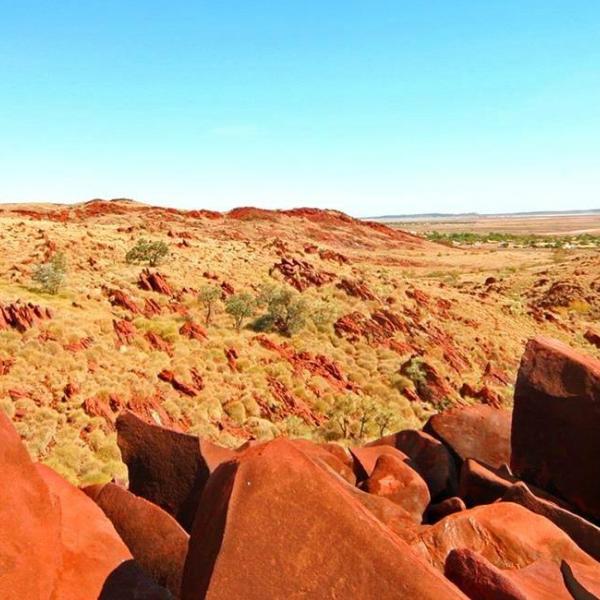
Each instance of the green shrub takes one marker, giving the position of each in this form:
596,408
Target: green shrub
148,252
287,312
51,275
240,306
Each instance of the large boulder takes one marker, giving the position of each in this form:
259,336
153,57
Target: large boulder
429,456
90,548
30,556
333,455
275,524
585,534
158,543
165,467
478,578
556,420
506,534
366,457
480,432
394,479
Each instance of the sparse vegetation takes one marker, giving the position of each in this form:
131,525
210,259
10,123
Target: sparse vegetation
240,306
469,238
208,297
344,382
288,312
147,252
51,275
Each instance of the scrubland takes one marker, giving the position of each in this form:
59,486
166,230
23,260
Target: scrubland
406,326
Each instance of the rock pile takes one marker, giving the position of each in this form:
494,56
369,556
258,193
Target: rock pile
483,504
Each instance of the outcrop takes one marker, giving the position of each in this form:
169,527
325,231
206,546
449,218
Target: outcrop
555,425
298,519
154,282
22,316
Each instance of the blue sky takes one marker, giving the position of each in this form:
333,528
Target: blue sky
368,107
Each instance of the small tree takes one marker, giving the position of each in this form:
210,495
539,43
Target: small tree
51,275
208,295
383,420
287,312
146,251
240,307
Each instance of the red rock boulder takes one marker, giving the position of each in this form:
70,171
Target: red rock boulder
158,543
585,534
274,524
393,478
478,578
430,458
436,512
480,432
30,543
555,440
90,549
165,466
506,534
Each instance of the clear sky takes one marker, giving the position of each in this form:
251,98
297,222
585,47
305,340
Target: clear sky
369,107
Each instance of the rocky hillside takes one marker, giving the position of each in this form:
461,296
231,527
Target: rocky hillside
353,330
483,503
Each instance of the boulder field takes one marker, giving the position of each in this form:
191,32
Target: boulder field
485,504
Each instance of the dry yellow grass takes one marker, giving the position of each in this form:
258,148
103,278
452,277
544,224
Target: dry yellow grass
456,315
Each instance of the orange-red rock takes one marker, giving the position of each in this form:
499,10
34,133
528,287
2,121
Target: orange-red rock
276,525
90,548
430,458
479,432
394,479
478,578
582,581
30,556
165,466
365,458
158,543
584,533
154,282
592,335
481,485
555,441
506,534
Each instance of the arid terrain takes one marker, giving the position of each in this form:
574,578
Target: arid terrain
292,404
558,224
394,327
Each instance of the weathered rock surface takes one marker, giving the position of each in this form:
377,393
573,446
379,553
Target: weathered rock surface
481,485
165,466
479,578
585,534
430,458
555,441
394,479
89,549
506,534
29,523
271,512
158,543
480,432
